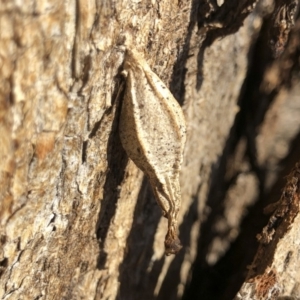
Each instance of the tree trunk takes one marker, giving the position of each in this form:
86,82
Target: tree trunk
78,219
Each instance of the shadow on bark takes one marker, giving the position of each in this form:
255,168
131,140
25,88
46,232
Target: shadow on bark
117,161
138,271
223,280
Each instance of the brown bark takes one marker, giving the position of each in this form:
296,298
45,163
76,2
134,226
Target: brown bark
78,219
274,270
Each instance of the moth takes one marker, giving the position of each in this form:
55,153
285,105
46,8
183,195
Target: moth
153,133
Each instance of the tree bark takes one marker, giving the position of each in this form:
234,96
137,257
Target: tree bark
78,218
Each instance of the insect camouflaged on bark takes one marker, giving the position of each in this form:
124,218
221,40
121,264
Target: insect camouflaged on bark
153,133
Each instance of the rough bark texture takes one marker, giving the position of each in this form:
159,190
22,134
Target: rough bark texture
78,219
274,270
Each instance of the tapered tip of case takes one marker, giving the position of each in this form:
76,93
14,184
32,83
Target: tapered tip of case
172,246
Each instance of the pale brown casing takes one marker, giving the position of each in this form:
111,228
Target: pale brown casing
153,133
